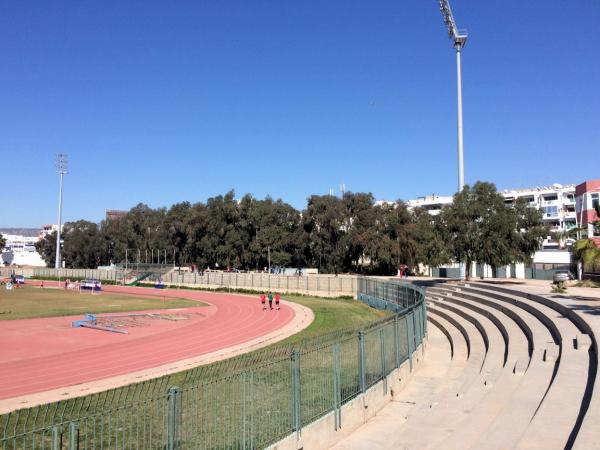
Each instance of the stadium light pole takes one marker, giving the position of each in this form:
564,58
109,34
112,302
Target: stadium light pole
61,169
459,39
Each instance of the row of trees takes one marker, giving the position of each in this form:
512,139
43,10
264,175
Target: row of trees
349,234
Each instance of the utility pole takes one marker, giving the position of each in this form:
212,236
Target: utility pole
459,39
61,169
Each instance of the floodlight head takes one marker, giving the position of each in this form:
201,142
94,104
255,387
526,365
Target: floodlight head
62,163
459,37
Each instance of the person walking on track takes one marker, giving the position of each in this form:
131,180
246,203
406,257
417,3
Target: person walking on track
263,299
270,300
277,298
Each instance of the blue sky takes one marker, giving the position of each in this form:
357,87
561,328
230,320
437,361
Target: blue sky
159,102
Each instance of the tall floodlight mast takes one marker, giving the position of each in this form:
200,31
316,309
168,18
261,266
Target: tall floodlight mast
459,39
61,169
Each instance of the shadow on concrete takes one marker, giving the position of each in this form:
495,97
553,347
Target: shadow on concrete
586,309
575,297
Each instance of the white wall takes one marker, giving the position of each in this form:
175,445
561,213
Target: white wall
552,257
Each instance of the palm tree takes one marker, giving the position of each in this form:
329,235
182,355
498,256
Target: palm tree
588,253
560,237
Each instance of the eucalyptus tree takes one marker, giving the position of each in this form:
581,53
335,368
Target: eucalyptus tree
480,227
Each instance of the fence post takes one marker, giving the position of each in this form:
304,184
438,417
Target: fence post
397,340
296,419
56,438
409,340
337,401
172,418
383,373
361,360
424,314
73,436
244,420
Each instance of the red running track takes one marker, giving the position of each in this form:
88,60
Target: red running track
41,354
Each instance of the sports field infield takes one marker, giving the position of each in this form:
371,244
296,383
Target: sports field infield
30,302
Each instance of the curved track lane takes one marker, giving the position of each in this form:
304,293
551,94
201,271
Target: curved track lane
46,354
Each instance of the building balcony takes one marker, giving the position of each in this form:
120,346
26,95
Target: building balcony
551,216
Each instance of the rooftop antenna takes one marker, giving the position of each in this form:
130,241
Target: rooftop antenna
343,189
459,39
62,170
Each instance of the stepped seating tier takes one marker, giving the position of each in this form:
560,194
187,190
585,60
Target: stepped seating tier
514,370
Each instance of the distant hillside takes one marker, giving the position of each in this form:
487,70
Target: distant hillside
29,232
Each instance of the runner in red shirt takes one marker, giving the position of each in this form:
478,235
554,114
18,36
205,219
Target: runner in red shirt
263,299
277,298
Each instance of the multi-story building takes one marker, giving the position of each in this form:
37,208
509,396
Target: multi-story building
587,198
112,214
432,203
564,207
558,205
556,201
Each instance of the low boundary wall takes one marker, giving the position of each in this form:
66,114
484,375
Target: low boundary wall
319,285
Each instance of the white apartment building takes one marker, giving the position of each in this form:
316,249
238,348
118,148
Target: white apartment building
431,203
20,251
556,201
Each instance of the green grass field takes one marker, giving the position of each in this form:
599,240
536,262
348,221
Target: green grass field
333,314
29,302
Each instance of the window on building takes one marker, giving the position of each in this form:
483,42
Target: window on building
550,211
550,197
570,208
595,200
571,197
529,198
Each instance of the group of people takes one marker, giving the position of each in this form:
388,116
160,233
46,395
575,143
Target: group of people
269,296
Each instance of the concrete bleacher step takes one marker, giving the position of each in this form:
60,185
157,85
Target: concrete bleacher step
548,429
517,378
505,309
518,344
471,424
520,409
511,422
453,406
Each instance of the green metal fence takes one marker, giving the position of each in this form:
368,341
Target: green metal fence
246,402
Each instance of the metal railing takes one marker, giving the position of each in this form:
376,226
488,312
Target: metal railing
246,402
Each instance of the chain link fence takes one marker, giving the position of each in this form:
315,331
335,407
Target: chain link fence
246,402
